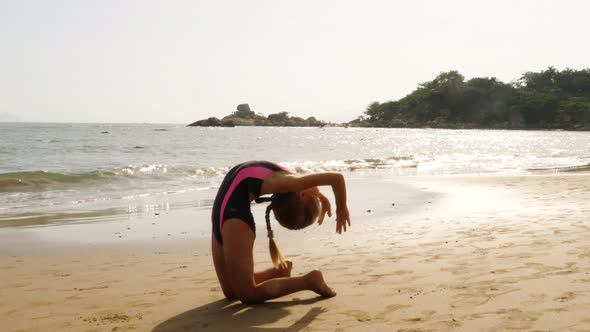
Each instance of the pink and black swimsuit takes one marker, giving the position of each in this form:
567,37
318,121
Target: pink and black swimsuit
233,199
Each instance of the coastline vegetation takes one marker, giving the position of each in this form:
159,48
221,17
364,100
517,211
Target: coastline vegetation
549,99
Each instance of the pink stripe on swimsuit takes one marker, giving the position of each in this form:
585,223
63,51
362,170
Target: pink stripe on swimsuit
250,172
233,197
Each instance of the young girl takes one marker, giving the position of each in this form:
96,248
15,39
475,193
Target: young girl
296,203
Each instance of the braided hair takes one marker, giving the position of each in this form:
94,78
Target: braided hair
291,214
275,254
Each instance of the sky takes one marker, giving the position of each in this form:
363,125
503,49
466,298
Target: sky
180,61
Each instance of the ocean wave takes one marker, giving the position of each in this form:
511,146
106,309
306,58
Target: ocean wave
563,169
53,180
34,180
351,164
158,174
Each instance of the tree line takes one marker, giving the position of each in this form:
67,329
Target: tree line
547,99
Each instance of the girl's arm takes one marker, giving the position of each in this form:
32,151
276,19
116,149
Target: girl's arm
280,182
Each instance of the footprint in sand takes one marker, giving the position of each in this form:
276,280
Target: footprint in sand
19,285
90,288
516,319
583,255
426,315
477,294
508,315
534,299
62,275
140,304
359,315
565,297
376,277
373,261
390,309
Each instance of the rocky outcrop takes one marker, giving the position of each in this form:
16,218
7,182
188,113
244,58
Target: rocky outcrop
243,111
213,122
244,116
313,122
210,122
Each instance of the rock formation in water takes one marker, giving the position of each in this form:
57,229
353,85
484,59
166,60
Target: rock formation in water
244,116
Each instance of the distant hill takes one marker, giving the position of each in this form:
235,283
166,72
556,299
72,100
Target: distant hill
550,99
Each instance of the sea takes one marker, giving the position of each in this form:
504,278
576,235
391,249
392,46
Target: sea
83,173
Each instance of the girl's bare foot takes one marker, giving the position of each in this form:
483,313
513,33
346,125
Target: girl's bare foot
318,285
286,273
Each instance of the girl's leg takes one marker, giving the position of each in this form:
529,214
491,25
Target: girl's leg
238,242
260,276
272,273
219,263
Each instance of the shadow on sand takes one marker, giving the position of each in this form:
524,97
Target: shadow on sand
226,315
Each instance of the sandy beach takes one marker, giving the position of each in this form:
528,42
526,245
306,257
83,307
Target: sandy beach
437,253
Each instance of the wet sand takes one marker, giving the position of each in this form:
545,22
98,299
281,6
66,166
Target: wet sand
470,253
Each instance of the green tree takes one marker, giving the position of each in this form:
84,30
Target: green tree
537,108
575,109
373,111
538,99
545,80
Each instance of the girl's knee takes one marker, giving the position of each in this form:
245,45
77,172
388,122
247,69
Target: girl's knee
248,296
249,299
228,294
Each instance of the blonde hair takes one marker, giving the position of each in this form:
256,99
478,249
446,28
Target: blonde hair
291,214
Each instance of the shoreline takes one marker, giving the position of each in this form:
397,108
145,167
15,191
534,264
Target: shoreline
366,193
470,252
327,125
467,126
582,128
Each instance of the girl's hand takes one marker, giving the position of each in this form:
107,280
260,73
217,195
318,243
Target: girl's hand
342,219
326,207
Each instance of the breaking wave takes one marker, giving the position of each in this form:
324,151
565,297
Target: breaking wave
51,180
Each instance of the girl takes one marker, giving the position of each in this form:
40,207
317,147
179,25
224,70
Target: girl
296,203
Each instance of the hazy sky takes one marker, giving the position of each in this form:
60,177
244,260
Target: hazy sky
180,61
